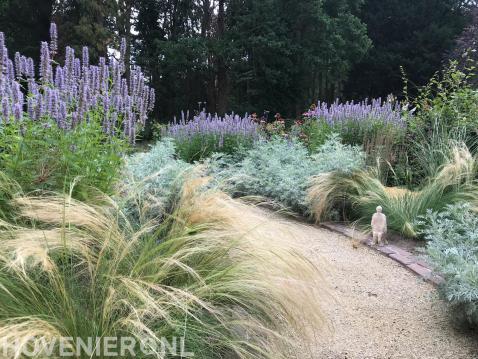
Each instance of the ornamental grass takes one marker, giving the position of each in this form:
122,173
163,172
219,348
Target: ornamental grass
213,273
360,192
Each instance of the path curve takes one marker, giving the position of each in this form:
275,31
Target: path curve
380,309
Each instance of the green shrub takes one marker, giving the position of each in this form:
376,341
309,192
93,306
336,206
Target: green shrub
452,248
449,100
383,144
445,111
312,132
281,170
40,155
201,146
333,155
382,141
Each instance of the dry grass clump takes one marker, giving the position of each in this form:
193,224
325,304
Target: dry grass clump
397,192
210,273
361,192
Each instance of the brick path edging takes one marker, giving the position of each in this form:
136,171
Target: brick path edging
405,258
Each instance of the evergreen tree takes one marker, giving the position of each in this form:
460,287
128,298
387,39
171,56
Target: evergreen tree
85,23
172,47
465,50
409,33
25,24
294,53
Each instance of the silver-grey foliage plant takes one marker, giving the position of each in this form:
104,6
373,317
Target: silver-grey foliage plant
152,180
281,169
452,248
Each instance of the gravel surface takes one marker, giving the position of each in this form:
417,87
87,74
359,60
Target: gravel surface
379,309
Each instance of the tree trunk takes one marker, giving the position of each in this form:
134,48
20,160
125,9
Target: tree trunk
124,29
222,80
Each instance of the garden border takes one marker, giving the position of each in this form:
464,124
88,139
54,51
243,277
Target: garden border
400,255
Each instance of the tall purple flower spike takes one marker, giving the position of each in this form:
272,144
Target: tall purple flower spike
53,39
68,94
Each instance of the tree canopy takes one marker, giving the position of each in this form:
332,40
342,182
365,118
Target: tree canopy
254,55
408,34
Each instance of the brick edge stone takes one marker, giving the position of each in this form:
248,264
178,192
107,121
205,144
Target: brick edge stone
399,255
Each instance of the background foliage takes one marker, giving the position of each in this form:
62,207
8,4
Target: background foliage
250,55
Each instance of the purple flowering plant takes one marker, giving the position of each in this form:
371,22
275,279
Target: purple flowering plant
74,92
375,110
205,134
359,121
70,122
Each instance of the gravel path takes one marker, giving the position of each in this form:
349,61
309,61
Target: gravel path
380,309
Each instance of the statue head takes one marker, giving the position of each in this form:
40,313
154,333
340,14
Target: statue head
379,209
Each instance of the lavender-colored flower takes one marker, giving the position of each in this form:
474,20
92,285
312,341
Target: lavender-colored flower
59,78
116,79
85,58
72,93
24,65
53,39
18,65
16,92
76,69
45,64
31,108
5,110
124,88
18,111
2,52
208,125
106,103
105,78
33,87
122,54
365,112
10,71
30,68
61,120
117,104
69,65
53,104
152,99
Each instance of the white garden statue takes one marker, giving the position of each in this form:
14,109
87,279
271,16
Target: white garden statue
379,227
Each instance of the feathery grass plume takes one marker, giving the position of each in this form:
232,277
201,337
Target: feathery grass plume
362,192
432,148
268,248
213,273
8,190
